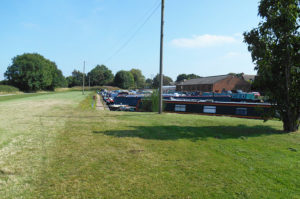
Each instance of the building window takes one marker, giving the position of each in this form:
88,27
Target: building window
209,109
180,108
241,111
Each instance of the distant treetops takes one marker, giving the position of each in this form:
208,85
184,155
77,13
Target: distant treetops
182,77
32,72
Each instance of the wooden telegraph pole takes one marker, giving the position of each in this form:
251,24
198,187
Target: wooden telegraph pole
161,57
83,78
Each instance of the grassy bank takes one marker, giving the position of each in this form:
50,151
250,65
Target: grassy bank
51,148
6,89
92,88
21,96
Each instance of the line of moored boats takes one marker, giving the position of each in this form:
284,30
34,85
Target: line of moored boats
238,104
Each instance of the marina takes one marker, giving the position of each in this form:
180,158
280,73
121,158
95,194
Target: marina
241,104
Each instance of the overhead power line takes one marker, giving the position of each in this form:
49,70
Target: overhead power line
134,26
133,35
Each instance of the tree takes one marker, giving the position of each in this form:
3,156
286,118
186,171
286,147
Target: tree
76,78
100,75
70,80
166,81
32,72
124,79
59,80
238,75
182,77
139,78
192,76
149,83
275,47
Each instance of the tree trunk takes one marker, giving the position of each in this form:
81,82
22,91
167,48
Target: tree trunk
290,120
291,124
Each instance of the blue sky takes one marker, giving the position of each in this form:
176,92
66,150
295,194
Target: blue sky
201,36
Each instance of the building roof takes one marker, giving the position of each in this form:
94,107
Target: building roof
204,80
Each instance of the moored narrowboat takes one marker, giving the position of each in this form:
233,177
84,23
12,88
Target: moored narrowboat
234,109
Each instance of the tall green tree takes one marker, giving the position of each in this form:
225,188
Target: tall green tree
124,79
166,81
76,78
182,77
139,78
275,49
149,83
59,80
32,72
192,76
100,75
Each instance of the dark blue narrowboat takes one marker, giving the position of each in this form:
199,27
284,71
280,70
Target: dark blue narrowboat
127,100
235,109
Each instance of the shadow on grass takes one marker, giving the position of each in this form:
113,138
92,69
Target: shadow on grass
192,133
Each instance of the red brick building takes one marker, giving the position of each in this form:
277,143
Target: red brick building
214,84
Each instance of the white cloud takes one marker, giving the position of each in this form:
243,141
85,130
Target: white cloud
203,41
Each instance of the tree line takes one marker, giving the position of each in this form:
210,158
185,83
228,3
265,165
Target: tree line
101,75
32,72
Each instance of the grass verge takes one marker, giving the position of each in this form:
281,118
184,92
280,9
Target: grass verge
89,103
61,151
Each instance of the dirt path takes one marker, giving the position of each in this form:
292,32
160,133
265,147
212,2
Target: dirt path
99,105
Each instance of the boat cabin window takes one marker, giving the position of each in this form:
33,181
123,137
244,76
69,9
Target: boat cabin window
180,108
241,111
209,109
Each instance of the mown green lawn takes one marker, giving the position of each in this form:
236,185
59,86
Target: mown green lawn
56,146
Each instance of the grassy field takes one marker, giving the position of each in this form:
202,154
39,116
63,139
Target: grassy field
56,146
